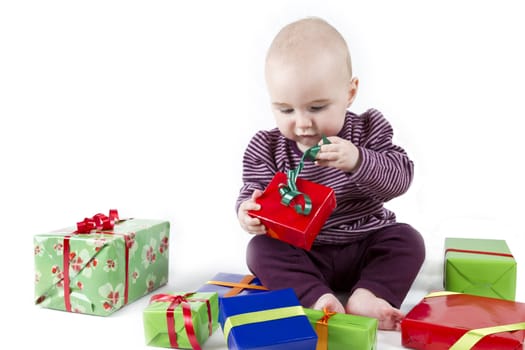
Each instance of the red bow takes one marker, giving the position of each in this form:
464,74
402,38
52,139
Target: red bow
169,298
98,222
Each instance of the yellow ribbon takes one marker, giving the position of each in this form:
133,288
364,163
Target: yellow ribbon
470,338
321,328
260,316
440,294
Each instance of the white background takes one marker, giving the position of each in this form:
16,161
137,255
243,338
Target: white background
147,106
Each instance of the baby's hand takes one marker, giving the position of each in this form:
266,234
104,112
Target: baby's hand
248,223
340,154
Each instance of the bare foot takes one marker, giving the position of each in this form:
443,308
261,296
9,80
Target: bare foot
330,302
365,303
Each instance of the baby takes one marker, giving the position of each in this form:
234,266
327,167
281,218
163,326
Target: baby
361,250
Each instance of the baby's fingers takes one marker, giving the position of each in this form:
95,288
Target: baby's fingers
253,225
249,205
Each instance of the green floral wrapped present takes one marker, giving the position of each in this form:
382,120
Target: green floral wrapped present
183,321
342,331
483,267
102,265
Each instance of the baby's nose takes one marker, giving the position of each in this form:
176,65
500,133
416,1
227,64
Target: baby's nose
303,121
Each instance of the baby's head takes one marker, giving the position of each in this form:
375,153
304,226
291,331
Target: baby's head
309,79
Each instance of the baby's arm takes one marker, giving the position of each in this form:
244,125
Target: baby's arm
379,168
248,223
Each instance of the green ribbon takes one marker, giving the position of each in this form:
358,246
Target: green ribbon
289,191
260,316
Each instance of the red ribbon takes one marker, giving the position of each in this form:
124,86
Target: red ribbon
184,301
478,252
98,222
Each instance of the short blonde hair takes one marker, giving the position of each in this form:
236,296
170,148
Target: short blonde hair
308,35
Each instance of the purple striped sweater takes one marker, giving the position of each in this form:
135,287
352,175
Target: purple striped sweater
385,172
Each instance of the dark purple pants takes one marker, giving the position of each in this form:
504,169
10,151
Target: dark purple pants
386,263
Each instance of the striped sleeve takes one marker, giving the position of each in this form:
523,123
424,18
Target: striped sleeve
385,170
258,164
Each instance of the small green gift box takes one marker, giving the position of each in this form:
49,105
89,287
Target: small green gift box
183,321
343,331
482,267
101,265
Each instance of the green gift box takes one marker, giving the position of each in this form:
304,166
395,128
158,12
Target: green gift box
343,331
183,321
483,267
100,270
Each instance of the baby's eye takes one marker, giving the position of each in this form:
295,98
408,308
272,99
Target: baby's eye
317,108
286,110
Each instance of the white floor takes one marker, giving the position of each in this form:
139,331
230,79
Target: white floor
43,329
124,104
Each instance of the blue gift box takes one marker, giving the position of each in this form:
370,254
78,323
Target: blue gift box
232,284
268,320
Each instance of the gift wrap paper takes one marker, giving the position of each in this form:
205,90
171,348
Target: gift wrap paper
337,331
483,267
232,284
440,320
106,269
284,223
156,329
268,320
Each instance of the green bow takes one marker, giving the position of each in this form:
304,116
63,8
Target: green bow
289,190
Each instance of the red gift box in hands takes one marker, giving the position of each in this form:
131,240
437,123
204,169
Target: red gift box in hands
292,209
284,222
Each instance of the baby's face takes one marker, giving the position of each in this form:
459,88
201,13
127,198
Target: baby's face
309,97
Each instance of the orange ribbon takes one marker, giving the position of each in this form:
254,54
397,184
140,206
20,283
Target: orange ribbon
238,287
321,328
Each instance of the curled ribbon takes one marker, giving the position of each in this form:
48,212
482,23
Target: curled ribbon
321,328
289,190
184,301
98,222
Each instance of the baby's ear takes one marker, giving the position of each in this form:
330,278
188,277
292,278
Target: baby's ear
352,91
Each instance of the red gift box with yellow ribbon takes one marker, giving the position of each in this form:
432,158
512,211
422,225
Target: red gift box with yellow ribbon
182,321
448,320
101,264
